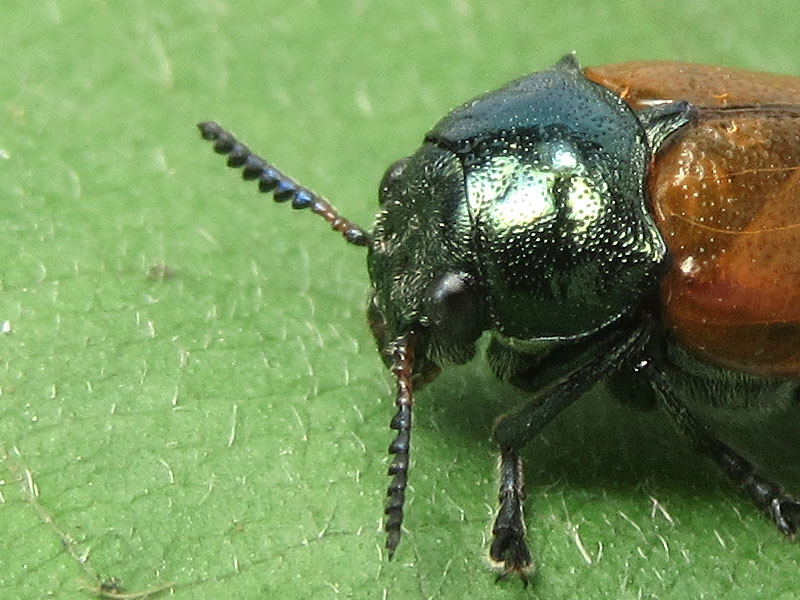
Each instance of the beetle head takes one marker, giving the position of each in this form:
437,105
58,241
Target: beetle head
421,265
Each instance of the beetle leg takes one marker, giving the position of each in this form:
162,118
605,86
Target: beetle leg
508,545
514,429
783,509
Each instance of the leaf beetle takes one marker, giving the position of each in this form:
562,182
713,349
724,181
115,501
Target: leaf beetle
638,221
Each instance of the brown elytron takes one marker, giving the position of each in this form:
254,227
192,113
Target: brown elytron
725,191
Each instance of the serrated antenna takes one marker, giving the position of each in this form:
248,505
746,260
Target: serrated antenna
283,187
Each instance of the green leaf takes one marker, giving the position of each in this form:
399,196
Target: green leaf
191,400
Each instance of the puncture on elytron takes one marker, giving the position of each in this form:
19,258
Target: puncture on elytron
639,221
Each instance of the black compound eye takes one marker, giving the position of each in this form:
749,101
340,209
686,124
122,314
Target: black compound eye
454,307
390,178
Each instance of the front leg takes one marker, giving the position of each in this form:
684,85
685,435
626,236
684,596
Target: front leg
508,546
591,361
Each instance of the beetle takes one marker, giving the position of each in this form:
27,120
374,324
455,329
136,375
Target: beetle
637,222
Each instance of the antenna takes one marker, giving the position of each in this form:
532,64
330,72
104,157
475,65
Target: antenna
283,187
402,362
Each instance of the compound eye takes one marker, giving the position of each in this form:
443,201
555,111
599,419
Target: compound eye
454,307
391,177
